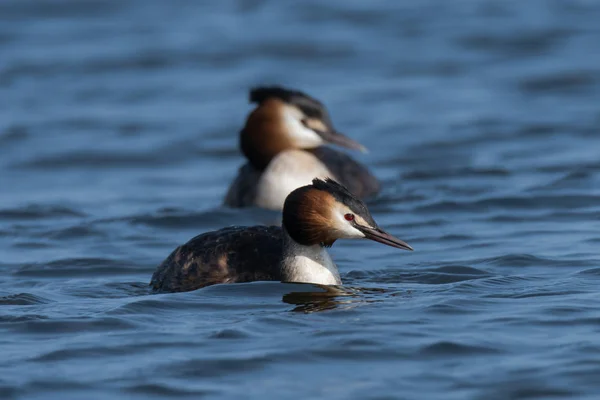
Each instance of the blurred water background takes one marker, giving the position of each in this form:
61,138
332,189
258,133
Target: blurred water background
118,138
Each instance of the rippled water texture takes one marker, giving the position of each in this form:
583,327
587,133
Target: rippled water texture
118,137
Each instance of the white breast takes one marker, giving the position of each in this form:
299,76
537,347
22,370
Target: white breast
289,170
308,270
308,264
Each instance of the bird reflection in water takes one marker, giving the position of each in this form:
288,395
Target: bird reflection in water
321,297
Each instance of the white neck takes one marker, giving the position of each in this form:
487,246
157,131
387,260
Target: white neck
289,170
308,264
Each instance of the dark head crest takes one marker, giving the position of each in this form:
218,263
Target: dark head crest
261,93
309,105
343,195
331,186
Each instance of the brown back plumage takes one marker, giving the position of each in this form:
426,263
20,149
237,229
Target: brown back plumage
234,254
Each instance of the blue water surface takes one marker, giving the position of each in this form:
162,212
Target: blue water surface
118,139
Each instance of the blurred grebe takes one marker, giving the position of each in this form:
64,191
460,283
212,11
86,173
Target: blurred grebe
283,141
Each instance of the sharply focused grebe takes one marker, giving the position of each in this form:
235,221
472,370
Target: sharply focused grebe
314,217
283,141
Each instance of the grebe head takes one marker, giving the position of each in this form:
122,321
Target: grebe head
287,119
326,211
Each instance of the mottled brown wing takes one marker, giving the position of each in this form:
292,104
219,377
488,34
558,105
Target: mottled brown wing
234,254
348,172
242,191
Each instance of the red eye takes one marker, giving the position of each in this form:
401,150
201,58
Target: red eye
349,217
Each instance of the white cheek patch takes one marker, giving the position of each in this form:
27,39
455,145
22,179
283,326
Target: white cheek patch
345,227
302,136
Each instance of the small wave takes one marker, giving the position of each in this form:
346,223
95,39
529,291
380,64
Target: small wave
555,216
383,199
529,260
536,130
31,245
110,290
513,203
216,298
7,392
576,165
516,44
161,389
61,9
214,368
590,271
22,318
91,124
65,326
37,211
100,350
435,276
446,348
423,223
13,134
516,387
22,299
455,238
493,131
72,232
70,267
89,159
159,306
508,280
537,293
460,270
578,179
91,352
302,50
537,286
358,353
449,309
104,64
221,216
464,172
567,82
167,154
230,334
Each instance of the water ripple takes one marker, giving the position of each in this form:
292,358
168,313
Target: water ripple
529,260
158,389
71,267
568,82
47,326
513,203
22,299
38,211
456,349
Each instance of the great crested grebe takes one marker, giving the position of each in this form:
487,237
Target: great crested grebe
283,140
314,217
